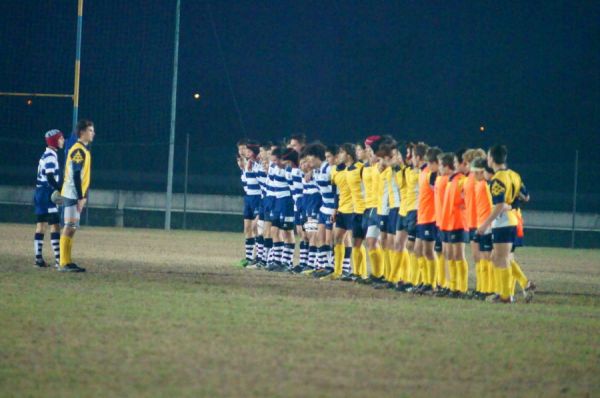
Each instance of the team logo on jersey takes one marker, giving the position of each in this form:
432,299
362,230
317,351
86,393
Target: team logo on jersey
497,188
77,156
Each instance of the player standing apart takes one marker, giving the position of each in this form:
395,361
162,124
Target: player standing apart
46,211
74,191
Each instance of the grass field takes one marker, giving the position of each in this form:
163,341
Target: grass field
165,314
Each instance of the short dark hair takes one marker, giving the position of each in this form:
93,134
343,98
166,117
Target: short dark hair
386,146
291,155
499,153
301,138
447,160
315,149
82,125
420,149
479,163
332,149
432,154
266,145
278,152
349,148
254,146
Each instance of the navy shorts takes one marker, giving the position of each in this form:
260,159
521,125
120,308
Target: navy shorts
409,224
518,243
268,203
50,218
485,242
473,235
426,232
445,236
261,210
372,218
392,221
43,204
438,240
325,219
299,218
344,221
251,206
282,214
383,222
504,234
458,236
358,227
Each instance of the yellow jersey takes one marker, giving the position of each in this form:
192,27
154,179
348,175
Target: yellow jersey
394,194
338,178
412,188
78,163
401,182
370,185
504,187
354,180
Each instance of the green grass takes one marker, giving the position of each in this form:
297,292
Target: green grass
165,314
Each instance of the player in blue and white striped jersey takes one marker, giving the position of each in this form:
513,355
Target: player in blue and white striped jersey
311,204
282,213
294,178
297,143
252,196
267,206
261,175
45,210
315,155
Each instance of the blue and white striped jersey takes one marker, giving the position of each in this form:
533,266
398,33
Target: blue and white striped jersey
270,180
326,189
48,164
311,197
250,178
261,176
281,186
295,177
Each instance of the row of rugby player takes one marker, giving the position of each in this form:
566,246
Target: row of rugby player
410,209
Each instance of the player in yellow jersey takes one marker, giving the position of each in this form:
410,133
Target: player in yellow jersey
344,216
502,220
370,222
400,266
75,190
386,153
354,178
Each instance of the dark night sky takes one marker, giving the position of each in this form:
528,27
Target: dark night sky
338,70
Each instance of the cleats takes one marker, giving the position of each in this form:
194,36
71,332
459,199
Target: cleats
243,263
277,267
321,273
40,263
71,268
529,291
307,271
297,269
349,277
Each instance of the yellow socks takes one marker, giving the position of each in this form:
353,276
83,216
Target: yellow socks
359,261
464,276
440,271
413,268
387,264
482,276
396,259
518,274
338,259
453,275
376,263
430,271
65,250
504,276
405,266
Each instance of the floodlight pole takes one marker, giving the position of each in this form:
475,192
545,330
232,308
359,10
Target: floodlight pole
574,199
169,203
77,65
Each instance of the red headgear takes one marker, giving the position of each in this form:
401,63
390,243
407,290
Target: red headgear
52,138
371,139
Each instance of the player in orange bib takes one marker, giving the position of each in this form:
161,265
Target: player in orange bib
426,229
442,273
454,226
